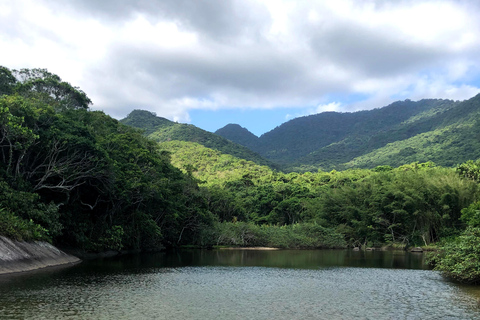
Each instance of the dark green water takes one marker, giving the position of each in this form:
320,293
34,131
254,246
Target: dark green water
224,284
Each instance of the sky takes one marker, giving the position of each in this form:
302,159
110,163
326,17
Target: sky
257,63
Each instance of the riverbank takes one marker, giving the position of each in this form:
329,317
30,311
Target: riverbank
248,248
21,256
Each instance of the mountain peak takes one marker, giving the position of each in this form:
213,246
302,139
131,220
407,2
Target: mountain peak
235,132
145,120
163,130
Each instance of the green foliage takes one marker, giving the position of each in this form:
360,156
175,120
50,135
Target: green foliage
299,236
89,180
14,227
146,120
470,170
41,84
443,131
28,206
7,81
335,138
112,239
471,215
446,146
209,165
414,204
414,139
459,259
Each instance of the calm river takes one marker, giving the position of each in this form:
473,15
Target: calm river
240,284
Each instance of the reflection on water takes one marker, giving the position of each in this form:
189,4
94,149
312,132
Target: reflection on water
303,259
223,284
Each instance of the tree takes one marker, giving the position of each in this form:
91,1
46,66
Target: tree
7,81
15,136
470,170
50,88
459,257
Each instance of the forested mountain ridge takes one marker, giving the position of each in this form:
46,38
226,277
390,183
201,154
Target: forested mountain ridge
161,130
238,134
435,130
146,120
399,133
447,138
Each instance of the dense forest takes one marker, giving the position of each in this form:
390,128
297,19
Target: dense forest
80,179
414,204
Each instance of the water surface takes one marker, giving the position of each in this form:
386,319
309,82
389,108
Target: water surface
221,284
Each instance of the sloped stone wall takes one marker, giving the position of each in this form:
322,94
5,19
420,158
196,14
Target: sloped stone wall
19,256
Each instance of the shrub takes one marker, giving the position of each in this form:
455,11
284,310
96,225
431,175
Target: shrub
14,227
459,258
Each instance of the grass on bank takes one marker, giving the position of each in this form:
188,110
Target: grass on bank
296,236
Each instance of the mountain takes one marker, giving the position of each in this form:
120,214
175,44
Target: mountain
162,130
443,131
453,139
238,134
146,120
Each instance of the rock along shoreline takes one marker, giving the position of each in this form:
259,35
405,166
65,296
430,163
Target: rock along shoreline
20,256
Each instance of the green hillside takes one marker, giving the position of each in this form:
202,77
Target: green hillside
304,135
448,146
146,120
447,138
162,130
443,131
211,166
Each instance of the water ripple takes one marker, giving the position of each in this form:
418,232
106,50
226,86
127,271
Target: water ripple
221,292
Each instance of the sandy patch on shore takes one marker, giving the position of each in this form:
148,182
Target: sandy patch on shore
249,248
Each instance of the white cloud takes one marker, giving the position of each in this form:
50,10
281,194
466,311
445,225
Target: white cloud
174,56
332,106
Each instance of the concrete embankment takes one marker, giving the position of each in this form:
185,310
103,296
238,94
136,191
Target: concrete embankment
20,256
